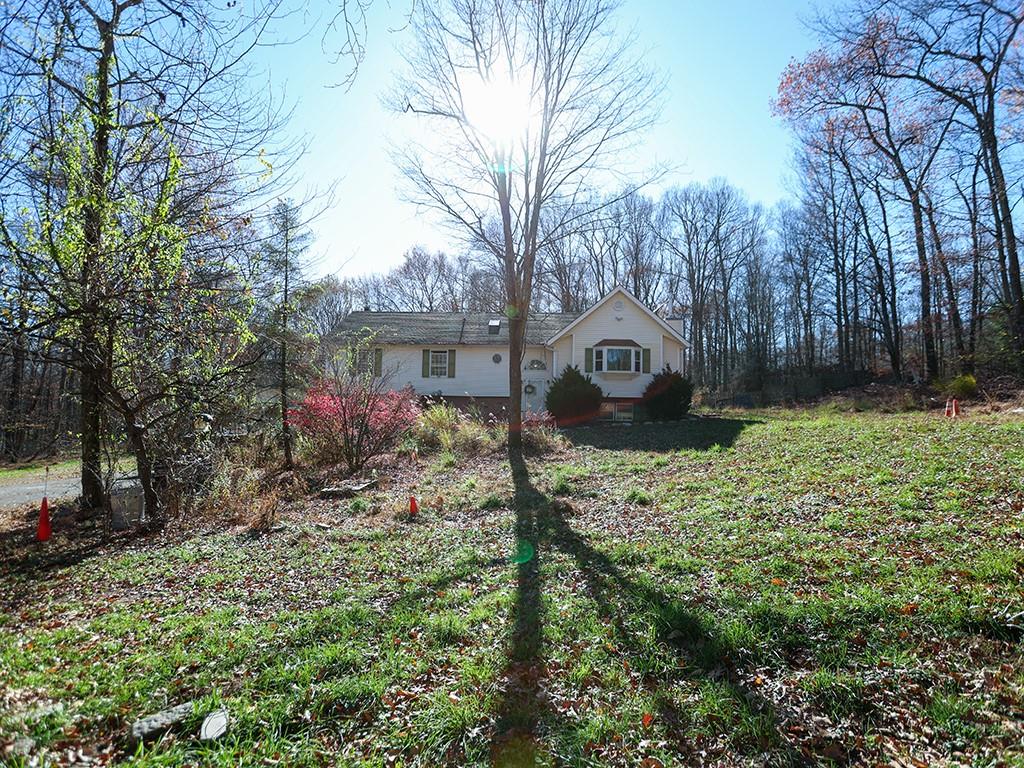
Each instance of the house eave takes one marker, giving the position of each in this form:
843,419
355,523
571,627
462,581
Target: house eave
619,289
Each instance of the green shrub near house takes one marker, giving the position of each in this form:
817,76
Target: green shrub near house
573,398
963,387
668,396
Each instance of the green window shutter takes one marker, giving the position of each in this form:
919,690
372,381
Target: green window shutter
451,363
426,363
588,360
645,364
378,361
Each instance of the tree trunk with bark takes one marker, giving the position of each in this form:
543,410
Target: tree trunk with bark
286,434
92,369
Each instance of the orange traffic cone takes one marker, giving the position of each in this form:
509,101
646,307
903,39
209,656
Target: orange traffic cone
414,508
956,408
949,407
43,531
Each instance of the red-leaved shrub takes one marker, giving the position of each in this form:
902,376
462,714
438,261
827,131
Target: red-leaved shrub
535,419
351,421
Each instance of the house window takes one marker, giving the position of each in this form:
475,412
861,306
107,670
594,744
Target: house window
617,359
366,362
617,411
438,363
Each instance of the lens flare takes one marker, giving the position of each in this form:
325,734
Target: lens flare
523,553
499,108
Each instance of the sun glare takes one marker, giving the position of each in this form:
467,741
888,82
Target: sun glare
500,109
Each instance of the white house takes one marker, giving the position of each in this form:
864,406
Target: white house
462,357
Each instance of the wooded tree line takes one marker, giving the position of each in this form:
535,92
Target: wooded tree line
141,257
908,121
897,255
151,283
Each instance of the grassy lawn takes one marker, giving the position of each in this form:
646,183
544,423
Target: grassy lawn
780,589
18,472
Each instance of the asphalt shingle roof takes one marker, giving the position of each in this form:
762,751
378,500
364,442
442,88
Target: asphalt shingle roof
451,328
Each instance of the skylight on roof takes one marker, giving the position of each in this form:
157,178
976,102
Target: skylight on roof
493,327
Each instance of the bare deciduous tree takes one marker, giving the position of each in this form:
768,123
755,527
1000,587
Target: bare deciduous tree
964,53
524,102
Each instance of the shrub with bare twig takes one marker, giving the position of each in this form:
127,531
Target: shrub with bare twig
352,415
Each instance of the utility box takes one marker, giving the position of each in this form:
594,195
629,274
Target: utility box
126,504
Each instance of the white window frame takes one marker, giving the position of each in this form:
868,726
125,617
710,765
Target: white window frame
436,356
601,356
365,359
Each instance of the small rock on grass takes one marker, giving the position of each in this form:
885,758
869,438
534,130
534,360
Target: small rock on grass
215,725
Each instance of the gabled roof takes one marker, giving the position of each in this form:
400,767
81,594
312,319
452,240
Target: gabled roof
669,330
450,328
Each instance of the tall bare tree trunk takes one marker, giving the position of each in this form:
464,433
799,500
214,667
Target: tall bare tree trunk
951,294
516,349
931,358
144,468
286,433
13,428
889,320
92,363
1013,271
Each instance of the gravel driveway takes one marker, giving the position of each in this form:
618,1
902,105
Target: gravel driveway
27,487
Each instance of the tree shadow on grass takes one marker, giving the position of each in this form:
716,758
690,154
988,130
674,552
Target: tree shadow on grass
699,434
698,652
523,705
25,560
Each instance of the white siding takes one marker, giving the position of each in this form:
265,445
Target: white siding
631,322
476,373
563,355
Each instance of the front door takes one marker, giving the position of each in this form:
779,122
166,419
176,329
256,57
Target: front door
534,392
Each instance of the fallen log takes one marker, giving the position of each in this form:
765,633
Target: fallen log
346,491
152,726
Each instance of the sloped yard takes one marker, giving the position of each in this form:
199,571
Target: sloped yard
769,588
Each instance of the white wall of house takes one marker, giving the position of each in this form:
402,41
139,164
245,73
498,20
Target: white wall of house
619,317
562,354
476,373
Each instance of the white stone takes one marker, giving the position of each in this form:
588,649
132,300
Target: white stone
214,726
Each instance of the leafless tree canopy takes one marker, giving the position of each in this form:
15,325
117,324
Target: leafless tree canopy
908,111
525,103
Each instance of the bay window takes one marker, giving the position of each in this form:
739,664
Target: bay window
617,359
617,356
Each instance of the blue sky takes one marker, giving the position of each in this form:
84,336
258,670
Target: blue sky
722,63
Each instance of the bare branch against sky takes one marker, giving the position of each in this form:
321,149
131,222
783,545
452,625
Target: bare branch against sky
526,103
